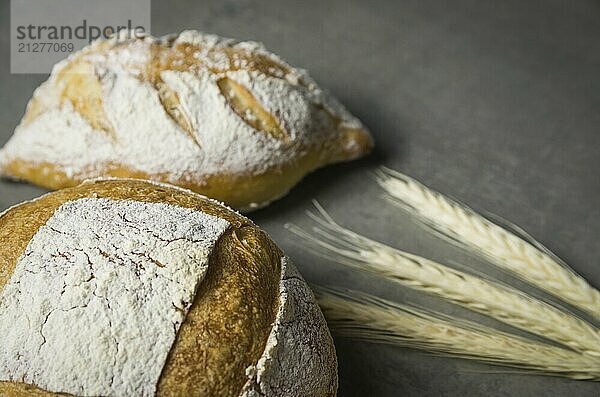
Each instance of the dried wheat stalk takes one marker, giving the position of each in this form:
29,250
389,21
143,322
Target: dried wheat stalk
492,299
365,317
528,260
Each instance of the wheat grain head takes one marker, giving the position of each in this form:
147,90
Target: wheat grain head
493,299
530,261
361,316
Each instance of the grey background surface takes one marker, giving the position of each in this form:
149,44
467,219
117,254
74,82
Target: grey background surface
495,103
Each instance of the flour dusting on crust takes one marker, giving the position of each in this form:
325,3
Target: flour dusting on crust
299,358
95,302
145,137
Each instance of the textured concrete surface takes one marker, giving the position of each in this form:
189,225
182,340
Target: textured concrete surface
495,103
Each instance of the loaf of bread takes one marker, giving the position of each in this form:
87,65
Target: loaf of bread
226,119
134,288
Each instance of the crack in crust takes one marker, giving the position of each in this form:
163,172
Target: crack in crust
64,289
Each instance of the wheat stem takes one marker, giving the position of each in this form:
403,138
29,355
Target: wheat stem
499,301
528,260
361,316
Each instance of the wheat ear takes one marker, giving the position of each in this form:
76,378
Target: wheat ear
529,261
361,316
492,299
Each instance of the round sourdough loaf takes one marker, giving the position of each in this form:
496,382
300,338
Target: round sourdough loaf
226,119
128,287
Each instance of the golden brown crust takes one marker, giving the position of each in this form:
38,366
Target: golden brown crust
228,325
231,318
183,57
14,389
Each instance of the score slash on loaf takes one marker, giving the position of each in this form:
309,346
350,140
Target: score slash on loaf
226,119
125,287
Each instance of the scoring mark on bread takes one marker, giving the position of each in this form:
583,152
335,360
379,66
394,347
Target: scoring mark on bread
81,86
247,107
186,57
227,327
172,105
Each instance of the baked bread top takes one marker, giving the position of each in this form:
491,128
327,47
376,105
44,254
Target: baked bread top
224,118
126,287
